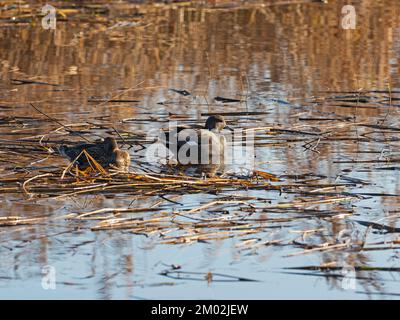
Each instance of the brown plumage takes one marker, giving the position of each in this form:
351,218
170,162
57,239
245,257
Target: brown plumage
106,153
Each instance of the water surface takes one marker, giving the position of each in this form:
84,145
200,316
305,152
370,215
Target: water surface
292,63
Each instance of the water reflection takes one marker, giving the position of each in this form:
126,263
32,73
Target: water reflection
275,59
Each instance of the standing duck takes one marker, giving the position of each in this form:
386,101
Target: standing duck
203,148
106,153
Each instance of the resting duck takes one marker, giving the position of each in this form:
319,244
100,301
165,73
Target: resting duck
106,153
203,147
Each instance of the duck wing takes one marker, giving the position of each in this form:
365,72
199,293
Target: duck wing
199,147
170,138
211,146
72,152
97,151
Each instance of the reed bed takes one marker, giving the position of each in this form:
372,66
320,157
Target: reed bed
259,210
325,183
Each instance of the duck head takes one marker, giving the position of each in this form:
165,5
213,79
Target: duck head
215,123
122,160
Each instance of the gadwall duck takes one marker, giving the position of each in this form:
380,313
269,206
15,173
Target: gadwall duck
208,143
106,153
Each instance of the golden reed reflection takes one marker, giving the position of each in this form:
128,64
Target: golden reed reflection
294,50
300,46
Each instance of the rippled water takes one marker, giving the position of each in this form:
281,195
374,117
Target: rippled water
284,61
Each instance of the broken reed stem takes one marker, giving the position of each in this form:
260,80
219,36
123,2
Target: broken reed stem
213,203
58,122
90,160
24,185
323,248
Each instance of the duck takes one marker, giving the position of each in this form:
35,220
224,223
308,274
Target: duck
106,153
203,148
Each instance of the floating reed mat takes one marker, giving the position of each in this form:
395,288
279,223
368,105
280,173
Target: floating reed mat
57,183
203,223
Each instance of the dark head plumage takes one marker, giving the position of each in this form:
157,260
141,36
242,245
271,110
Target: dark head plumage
216,122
